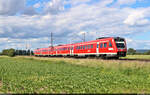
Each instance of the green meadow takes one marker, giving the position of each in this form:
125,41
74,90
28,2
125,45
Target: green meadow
67,75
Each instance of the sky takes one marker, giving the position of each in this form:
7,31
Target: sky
28,23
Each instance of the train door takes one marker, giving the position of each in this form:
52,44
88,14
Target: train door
71,50
101,47
97,48
56,51
40,52
105,48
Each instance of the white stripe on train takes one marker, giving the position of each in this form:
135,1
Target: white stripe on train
80,54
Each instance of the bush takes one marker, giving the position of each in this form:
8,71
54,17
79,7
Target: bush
147,53
131,51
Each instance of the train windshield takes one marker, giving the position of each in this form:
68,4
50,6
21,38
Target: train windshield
120,42
120,45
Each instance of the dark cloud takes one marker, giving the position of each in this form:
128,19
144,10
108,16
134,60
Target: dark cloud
11,7
29,11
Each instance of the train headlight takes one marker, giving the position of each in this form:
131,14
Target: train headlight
110,48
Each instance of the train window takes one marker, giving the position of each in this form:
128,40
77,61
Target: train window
101,45
97,45
105,45
91,46
88,46
83,47
110,45
120,45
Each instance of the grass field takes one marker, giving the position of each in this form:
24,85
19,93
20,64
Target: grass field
66,75
137,57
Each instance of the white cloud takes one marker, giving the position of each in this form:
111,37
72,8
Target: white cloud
137,44
137,17
77,2
54,6
126,2
37,5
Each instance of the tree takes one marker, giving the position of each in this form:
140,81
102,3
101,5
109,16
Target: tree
11,52
5,52
131,51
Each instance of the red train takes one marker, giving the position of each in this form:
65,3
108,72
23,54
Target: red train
104,47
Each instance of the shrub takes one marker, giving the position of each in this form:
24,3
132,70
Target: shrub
131,51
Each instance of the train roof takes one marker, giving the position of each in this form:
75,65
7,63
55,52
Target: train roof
110,37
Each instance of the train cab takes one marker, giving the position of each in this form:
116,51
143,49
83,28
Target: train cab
121,46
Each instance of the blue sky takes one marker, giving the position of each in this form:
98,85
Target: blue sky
28,23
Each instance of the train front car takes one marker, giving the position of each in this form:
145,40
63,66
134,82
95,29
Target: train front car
121,46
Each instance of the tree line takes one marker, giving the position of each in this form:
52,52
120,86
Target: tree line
132,51
12,52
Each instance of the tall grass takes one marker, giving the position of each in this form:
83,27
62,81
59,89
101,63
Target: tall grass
59,75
